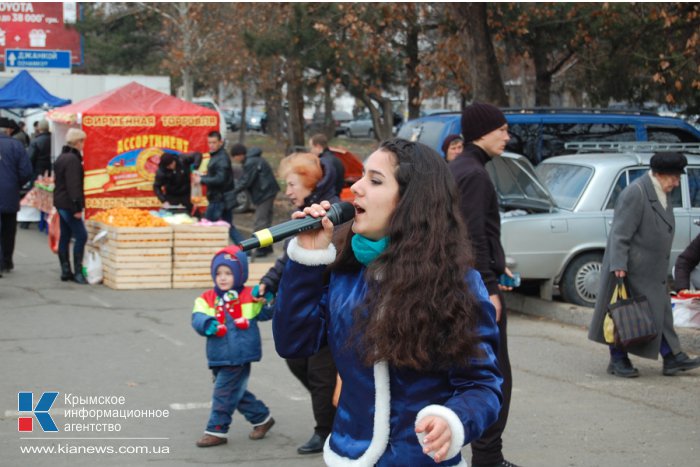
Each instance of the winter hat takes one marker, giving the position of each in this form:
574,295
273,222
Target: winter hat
480,119
448,141
6,123
234,259
668,163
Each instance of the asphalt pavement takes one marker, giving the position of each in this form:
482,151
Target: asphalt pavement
126,357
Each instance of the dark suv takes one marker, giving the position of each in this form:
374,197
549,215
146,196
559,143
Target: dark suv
542,133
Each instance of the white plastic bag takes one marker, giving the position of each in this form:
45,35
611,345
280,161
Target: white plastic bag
686,312
93,267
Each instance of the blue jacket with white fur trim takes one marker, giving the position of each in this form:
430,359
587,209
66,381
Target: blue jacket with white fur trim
379,406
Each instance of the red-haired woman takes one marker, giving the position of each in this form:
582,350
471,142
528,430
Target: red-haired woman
302,173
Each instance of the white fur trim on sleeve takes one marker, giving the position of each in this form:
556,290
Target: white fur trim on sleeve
453,422
310,257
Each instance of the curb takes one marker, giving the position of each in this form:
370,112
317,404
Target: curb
581,316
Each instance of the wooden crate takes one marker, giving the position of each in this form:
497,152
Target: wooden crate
199,278
132,237
256,271
121,284
192,279
193,256
194,246
135,257
200,236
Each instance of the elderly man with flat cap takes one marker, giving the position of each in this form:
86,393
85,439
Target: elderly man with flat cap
638,250
15,171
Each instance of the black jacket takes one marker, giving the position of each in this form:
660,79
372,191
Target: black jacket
39,151
257,178
174,186
68,178
327,184
338,168
685,263
219,177
479,206
15,171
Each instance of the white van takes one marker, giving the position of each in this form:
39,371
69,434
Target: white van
209,103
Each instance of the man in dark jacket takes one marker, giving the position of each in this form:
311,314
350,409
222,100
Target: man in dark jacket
261,183
686,275
172,184
40,150
485,133
219,183
19,134
15,171
333,169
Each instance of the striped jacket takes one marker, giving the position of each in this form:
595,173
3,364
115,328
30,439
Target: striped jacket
237,346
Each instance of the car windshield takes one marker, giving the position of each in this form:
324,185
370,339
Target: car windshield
206,104
426,132
565,182
517,184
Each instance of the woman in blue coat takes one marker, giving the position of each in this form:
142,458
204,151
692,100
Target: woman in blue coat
409,322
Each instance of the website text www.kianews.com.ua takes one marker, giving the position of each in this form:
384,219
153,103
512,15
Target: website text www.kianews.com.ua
69,448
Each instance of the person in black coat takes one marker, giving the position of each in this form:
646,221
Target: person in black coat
333,168
219,183
317,373
172,183
39,150
19,134
15,171
259,180
485,132
69,200
685,273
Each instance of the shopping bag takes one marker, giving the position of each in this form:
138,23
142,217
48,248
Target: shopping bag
54,222
632,318
686,311
619,293
93,267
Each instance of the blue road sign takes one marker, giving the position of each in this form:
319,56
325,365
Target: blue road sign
26,58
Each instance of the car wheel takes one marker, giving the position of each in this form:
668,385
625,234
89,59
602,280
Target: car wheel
581,279
244,202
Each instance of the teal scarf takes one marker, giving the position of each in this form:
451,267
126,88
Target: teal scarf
367,250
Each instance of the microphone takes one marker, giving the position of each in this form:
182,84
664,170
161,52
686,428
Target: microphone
339,213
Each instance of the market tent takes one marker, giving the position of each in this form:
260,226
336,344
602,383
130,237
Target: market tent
128,129
130,99
24,92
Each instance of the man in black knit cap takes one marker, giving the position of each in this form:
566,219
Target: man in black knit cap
485,133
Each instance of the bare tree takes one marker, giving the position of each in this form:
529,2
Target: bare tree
189,37
487,83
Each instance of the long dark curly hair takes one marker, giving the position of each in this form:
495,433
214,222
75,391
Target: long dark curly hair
418,312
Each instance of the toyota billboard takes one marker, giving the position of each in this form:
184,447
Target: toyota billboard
40,26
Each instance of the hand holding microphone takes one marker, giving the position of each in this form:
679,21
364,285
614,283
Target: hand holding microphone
313,225
318,239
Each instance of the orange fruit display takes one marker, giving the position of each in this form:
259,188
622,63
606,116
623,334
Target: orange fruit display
128,217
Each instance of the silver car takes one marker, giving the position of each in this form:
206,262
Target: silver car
561,245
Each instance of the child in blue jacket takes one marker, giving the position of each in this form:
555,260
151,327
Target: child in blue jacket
227,315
